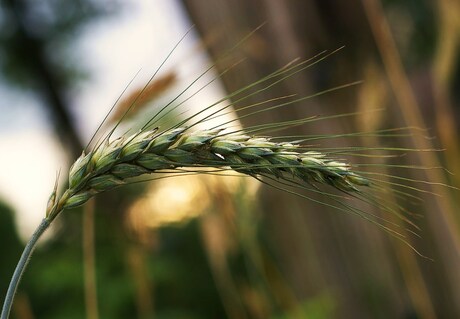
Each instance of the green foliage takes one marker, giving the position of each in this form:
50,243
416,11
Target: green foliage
11,247
184,283
419,40
34,30
319,307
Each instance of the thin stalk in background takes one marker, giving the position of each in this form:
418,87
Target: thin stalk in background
89,261
444,65
136,260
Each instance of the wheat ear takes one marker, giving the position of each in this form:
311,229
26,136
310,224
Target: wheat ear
113,163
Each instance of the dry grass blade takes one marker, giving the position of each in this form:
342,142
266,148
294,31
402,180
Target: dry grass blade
142,97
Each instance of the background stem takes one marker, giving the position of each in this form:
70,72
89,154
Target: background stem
23,261
89,261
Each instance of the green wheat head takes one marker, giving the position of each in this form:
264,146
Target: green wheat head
113,163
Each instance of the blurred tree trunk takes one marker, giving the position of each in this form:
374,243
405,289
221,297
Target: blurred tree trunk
48,84
319,249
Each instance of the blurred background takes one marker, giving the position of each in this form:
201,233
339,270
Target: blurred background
227,247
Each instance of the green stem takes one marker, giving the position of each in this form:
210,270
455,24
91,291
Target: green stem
21,267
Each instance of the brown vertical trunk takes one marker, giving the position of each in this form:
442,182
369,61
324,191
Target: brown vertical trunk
319,249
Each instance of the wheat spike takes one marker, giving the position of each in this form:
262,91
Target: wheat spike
112,163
